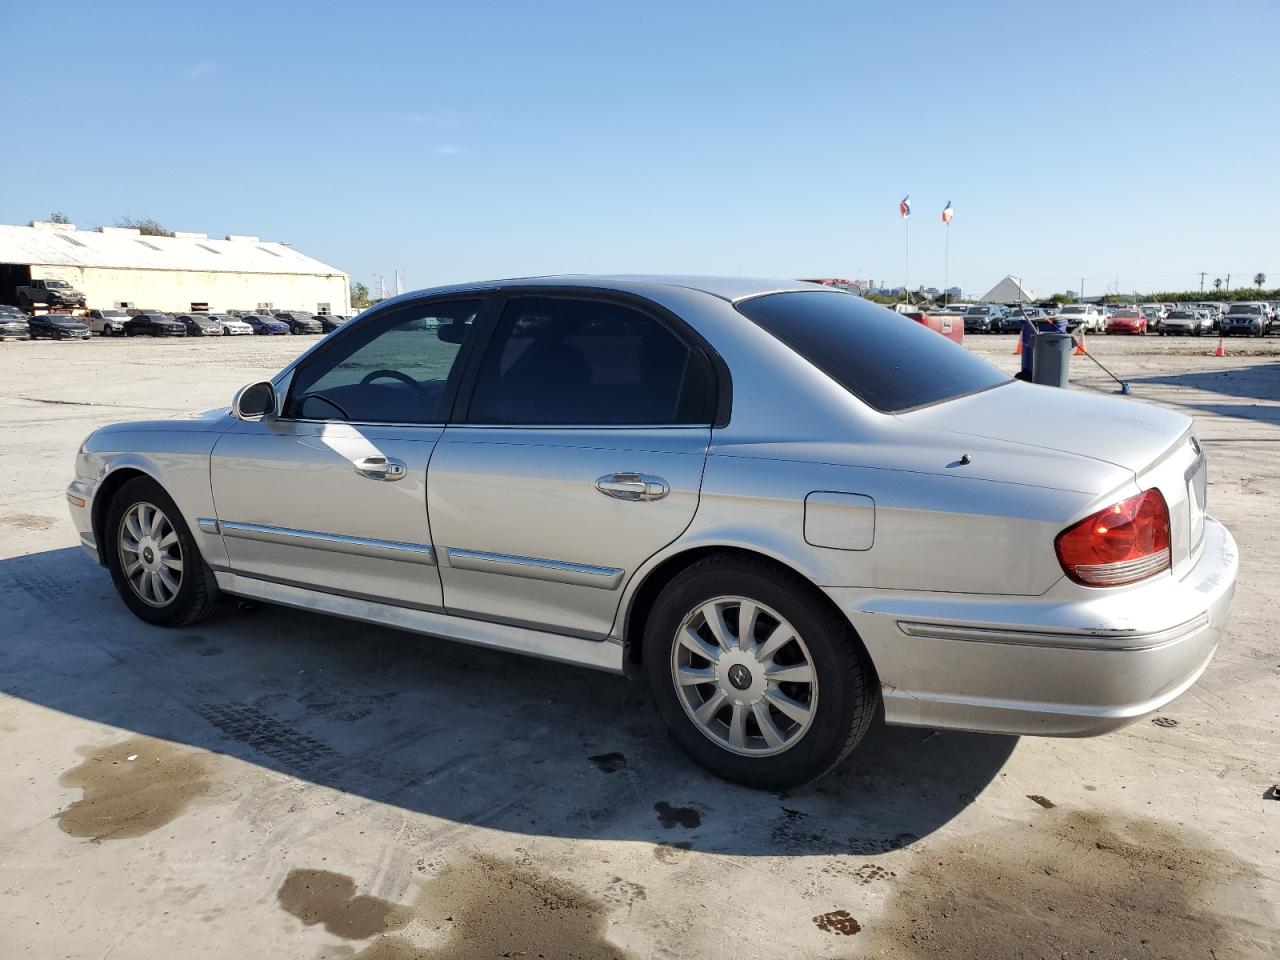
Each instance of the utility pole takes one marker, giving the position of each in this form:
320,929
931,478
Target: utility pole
1202,281
1228,283
1081,294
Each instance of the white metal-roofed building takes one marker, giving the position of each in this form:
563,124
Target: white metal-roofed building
118,265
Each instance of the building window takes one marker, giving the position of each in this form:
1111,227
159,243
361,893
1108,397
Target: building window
323,309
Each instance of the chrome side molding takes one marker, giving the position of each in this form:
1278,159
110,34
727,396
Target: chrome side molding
535,568
1103,640
207,524
335,542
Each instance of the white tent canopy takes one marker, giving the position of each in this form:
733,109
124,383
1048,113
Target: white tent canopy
1008,290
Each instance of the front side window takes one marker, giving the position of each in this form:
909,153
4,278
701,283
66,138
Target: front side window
570,362
393,369
888,361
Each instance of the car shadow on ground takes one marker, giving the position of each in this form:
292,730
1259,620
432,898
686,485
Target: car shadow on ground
469,735
1261,382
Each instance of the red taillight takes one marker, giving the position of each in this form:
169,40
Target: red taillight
1126,542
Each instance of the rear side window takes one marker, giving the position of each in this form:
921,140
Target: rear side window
571,362
888,361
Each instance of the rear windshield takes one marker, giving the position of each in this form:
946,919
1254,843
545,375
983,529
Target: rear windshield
888,361
1073,309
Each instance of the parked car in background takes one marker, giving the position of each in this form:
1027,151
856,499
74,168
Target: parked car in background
231,326
154,324
1155,314
1011,322
1214,311
615,480
1081,316
260,323
1192,322
108,323
13,324
1127,320
1245,319
329,322
200,324
299,322
984,318
57,326
47,294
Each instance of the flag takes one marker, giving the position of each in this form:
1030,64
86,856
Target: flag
947,213
904,208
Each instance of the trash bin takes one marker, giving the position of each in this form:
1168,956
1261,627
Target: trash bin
1051,358
1028,335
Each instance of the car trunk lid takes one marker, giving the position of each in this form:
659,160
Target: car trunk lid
1151,443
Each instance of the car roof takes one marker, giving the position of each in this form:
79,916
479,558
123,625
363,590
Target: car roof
725,288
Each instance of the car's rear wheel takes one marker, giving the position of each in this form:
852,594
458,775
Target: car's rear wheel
756,677
154,561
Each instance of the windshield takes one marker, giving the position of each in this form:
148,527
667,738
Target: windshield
1245,308
888,361
979,311
56,284
1180,315
1072,310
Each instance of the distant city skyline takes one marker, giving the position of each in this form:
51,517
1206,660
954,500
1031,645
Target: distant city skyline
457,142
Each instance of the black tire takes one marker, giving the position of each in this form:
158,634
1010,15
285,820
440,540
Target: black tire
849,689
197,591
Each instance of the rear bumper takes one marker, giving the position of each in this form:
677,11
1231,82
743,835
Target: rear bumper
1042,666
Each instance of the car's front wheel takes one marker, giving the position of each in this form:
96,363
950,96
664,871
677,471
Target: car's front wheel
154,561
756,676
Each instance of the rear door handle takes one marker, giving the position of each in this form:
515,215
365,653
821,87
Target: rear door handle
381,468
633,486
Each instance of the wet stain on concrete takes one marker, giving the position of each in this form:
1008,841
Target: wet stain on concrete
1076,883
126,797
28,521
330,899
671,852
609,762
475,910
671,817
838,921
210,651
1042,801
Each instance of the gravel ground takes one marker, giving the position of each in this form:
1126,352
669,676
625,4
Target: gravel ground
276,784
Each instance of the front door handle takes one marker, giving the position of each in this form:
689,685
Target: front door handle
632,486
381,468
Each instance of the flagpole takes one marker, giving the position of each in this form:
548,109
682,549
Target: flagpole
946,264
906,286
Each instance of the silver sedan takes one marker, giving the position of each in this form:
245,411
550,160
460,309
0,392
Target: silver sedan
783,505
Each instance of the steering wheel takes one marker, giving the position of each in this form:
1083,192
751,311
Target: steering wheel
396,375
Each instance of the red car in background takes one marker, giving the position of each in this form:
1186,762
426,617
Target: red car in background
1127,320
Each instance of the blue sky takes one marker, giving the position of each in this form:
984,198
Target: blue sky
1130,142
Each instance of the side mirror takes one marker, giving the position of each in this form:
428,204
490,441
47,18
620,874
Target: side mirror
451,332
255,401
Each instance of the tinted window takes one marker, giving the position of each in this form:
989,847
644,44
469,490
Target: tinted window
587,363
390,370
888,361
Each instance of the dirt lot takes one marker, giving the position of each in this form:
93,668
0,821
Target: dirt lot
275,784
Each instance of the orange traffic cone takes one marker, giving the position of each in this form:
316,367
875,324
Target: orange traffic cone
1080,347
1018,349
1221,351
